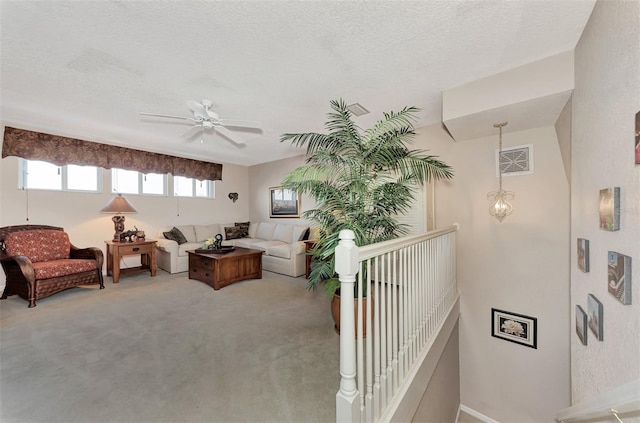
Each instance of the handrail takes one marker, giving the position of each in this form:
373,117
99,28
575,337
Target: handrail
612,403
372,250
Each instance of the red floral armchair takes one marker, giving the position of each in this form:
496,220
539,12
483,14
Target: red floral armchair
39,261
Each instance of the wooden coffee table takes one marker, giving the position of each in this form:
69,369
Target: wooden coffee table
220,270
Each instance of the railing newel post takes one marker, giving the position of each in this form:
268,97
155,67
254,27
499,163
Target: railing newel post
347,258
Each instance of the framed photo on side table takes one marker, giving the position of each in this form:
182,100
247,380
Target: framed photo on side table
283,202
514,327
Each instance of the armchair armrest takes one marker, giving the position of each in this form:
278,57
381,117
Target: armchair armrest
91,253
17,266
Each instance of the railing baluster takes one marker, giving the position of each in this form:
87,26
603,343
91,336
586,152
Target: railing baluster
376,338
369,342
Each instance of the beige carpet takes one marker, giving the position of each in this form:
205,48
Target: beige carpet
170,349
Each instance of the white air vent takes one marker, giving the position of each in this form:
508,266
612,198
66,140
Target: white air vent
357,109
515,160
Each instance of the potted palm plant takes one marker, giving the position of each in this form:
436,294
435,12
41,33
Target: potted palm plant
360,180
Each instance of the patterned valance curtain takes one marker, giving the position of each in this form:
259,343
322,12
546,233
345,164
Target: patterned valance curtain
62,151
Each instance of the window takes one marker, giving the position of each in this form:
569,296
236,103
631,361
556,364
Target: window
36,174
189,187
132,182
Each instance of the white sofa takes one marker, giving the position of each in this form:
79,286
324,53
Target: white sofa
284,251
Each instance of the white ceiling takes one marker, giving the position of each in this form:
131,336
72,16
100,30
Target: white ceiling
86,68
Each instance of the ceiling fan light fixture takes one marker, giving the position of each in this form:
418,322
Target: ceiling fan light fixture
205,119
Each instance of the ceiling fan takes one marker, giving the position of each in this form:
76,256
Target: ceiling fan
205,119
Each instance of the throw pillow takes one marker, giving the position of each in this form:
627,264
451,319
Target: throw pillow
233,232
175,235
245,228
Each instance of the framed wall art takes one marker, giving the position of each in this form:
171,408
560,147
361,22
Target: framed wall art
283,202
583,254
594,307
619,276
609,209
638,138
514,327
581,324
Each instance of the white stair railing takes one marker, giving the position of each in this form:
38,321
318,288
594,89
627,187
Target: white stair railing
611,404
410,287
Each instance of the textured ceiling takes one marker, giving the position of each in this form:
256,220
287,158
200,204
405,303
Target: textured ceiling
86,68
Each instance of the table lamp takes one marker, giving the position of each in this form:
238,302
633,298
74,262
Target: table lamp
118,205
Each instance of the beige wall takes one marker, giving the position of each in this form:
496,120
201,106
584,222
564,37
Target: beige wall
605,100
563,129
268,175
441,399
519,265
79,213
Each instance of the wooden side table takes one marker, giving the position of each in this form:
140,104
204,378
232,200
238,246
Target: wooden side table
115,250
308,244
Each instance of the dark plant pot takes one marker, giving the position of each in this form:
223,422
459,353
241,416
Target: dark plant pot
335,313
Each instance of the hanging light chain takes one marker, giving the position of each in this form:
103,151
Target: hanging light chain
500,206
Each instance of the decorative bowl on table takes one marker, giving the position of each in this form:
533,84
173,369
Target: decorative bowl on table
222,250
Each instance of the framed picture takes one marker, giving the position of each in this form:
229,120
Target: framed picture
619,276
638,138
583,254
514,327
594,307
610,209
283,202
581,324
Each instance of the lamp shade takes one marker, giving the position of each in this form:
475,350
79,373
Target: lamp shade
118,205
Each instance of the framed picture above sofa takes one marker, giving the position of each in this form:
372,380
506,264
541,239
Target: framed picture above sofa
283,202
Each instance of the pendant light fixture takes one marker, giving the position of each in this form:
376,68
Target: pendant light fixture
500,206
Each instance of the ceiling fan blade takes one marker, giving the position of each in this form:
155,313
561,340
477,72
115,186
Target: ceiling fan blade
166,116
198,110
192,132
228,135
240,123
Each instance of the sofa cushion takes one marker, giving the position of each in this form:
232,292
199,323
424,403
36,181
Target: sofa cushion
253,228
265,231
206,231
245,228
283,233
189,232
188,246
245,242
176,235
265,245
62,267
233,232
299,232
282,251
38,244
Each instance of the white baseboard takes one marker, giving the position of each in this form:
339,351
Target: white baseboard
475,414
